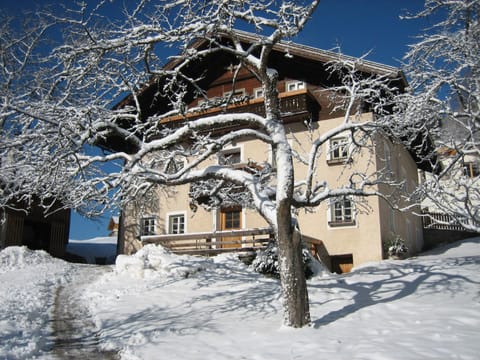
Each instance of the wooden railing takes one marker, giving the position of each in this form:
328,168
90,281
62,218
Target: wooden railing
291,103
211,243
441,221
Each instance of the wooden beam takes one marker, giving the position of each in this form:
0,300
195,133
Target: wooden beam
205,235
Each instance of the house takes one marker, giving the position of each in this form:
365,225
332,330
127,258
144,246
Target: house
347,231
34,229
113,226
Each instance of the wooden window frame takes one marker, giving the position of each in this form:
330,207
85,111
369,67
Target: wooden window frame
471,169
224,220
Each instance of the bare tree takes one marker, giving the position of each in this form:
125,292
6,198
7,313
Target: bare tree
94,88
444,103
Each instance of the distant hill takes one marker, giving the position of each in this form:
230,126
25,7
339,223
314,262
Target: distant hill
99,250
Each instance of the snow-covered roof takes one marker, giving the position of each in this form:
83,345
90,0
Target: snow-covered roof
323,56
292,49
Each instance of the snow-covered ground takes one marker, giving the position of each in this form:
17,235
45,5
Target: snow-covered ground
155,305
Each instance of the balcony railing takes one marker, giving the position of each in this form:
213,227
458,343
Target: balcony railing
210,243
215,242
292,103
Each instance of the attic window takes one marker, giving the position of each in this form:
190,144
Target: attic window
258,93
294,85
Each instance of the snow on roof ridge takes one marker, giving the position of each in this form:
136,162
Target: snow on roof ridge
328,54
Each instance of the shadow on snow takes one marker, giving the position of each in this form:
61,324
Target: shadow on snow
392,283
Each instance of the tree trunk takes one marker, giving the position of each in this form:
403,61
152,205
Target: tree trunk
292,274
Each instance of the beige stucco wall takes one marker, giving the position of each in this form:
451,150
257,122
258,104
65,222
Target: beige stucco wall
363,240
404,170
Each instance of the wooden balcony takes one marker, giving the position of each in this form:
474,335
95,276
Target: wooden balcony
293,105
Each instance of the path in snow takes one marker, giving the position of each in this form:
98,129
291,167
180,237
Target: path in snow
75,333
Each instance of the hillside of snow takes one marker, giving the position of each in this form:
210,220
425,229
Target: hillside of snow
156,305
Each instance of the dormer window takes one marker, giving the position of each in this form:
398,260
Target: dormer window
294,85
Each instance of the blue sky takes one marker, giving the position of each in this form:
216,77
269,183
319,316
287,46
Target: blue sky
357,26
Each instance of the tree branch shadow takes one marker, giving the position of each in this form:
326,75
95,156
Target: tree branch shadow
394,283
249,294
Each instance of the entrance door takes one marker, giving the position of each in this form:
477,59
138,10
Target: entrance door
231,219
342,263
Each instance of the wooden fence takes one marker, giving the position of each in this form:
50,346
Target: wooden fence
441,221
211,243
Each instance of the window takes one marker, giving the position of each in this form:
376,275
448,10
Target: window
231,219
230,157
471,169
342,212
294,85
147,226
176,224
338,150
258,93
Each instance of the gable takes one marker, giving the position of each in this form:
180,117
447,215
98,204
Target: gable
291,61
